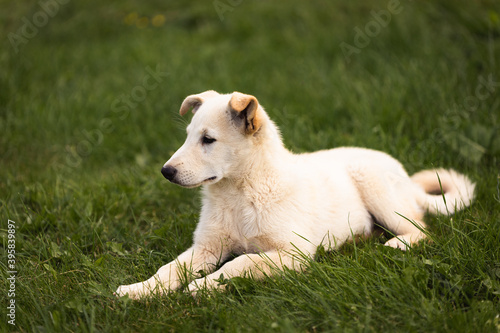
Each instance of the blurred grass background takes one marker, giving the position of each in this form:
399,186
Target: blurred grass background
80,165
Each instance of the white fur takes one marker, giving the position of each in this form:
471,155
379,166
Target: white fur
267,205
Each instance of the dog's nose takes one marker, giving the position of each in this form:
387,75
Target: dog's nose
169,172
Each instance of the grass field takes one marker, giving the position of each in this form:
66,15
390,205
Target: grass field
89,100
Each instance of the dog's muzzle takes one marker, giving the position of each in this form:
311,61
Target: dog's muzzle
169,172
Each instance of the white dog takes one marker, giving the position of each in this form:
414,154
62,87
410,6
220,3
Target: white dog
266,204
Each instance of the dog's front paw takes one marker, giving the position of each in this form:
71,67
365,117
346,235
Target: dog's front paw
197,285
134,291
398,243
193,289
201,284
204,284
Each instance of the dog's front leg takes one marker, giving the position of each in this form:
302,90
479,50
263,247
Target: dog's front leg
168,277
257,264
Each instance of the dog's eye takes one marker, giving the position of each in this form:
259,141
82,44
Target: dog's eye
206,140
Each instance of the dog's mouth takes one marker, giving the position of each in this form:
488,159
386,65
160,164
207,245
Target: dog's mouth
209,180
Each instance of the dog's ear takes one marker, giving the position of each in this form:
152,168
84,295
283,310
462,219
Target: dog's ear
195,101
245,109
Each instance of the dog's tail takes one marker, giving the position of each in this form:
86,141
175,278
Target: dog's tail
447,191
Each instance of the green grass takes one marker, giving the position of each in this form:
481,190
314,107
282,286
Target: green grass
81,178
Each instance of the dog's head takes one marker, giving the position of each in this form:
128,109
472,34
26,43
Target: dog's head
224,129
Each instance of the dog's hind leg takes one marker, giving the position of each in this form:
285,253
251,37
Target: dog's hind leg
391,198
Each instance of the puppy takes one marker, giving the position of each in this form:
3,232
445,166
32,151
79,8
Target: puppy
267,205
